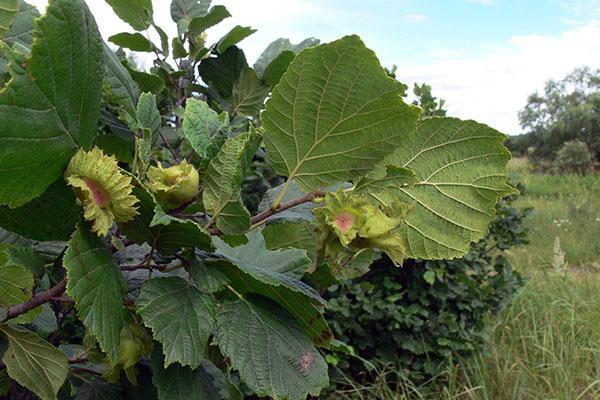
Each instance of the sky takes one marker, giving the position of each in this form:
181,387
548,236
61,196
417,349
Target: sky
484,57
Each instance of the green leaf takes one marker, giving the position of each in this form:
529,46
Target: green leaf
203,128
202,23
223,71
233,37
165,233
334,115
51,216
289,262
271,352
179,50
132,41
249,94
99,390
429,277
8,13
276,281
180,316
221,197
208,279
285,234
148,116
164,39
147,82
277,67
125,91
16,282
22,27
34,363
25,257
96,284
52,108
461,171
188,9
275,48
137,13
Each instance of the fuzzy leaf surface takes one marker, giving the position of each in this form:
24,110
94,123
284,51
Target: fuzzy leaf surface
334,115
51,107
97,285
180,316
269,349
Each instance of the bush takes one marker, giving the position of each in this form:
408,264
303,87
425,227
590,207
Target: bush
574,157
425,313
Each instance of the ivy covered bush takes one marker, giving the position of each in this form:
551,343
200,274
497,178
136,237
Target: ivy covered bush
427,314
130,265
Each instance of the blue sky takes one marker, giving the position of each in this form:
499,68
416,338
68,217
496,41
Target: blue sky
483,56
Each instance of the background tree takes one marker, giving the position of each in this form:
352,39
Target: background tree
567,110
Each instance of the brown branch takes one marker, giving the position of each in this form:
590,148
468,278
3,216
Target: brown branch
37,300
263,216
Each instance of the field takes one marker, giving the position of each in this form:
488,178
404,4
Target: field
547,343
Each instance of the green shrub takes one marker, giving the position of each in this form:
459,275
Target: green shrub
574,157
419,316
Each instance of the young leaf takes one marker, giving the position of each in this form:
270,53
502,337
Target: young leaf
202,127
34,363
249,94
132,41
51,108
8,13
137,13
180,316
233,37
178,382
334,115
461,171
50,216
96,284
188,9
271,352
147,114
202,23
165,233
221,196
270,279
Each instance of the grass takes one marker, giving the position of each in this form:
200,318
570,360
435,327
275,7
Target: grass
546,344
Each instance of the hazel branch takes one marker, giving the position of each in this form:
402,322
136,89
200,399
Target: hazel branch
37,300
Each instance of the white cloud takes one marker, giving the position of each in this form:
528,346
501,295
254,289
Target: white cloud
492,84
416,18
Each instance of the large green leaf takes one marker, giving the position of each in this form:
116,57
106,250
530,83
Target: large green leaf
165,233
137,13
51,107
34,363
51,216
222,198
334,115
286,234
249,94
177,382
21,30
277,68
274,277
461,171
97,285
8,13
16,281
271,352
180,316
203,128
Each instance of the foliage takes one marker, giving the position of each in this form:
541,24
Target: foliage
427,313
574,157
158,280
567,110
